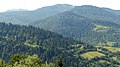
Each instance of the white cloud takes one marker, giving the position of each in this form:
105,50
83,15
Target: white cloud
34,4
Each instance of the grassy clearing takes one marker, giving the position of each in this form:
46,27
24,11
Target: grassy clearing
100,28
31,45
112,49
90,55
104,61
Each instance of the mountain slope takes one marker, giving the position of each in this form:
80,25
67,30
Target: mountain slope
117,12
66,21
79,27
25,17
29,40
94,12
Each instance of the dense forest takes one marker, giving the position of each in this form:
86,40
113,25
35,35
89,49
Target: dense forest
61,35
90,24
95,32
29,46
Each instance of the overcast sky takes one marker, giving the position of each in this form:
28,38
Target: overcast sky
34,4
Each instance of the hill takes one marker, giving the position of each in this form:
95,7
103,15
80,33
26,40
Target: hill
29,43
90,31
92,12
28,40
96,13
26,17
88,23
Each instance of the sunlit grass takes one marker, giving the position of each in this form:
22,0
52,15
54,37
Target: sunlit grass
100,28
31,45
90,55
112,49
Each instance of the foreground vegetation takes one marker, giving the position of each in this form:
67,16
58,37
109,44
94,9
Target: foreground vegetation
26,61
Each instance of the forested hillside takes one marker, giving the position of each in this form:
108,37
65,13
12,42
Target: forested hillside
97,13
26,45
61,35
95,32
90,24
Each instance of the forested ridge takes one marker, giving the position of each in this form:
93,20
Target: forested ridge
30,46
60,35
70,24
90,24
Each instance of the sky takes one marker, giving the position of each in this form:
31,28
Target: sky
35,4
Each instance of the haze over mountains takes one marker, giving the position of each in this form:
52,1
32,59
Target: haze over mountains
88,23
30,16
85,10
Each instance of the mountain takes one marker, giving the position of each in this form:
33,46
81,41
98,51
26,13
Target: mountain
51,10
26,43
91,24
18,16
26,17
15,10
94,12
73,36
90,31
28,40
117,12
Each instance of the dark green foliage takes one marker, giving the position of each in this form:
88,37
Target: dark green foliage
72,21
19,42
60,63
16,39
92,25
